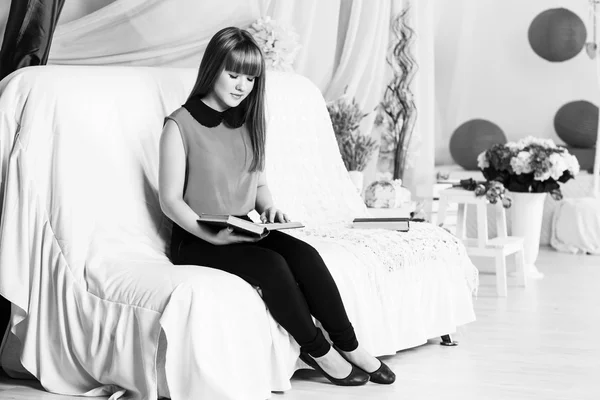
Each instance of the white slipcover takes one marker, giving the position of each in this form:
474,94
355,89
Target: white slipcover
83,244
576,226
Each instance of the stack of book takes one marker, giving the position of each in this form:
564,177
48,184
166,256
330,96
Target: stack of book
394,223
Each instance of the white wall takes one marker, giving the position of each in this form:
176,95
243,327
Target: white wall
485,68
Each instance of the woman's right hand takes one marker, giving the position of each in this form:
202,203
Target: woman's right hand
228,236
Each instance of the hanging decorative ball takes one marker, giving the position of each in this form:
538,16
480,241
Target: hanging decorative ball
585,157
591,49
471,138
576,123
557,35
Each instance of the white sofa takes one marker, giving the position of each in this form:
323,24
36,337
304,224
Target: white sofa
97,306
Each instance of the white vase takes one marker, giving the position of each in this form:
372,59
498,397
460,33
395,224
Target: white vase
527,210
357,179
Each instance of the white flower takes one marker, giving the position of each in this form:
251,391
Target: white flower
541,175
572,163
521,164
531,140
278,44
482,161
558,165
513,146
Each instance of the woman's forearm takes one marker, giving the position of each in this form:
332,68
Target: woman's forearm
264,199
181,214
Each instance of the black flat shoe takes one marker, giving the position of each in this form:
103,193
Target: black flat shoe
356,377
382,375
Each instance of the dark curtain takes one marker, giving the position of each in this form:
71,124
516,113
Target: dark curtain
28,34
27,39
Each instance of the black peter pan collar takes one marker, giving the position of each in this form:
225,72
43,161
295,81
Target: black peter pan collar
234,117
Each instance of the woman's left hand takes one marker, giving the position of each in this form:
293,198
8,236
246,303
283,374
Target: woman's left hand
272,214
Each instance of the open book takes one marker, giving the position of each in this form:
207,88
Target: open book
245,227
396,224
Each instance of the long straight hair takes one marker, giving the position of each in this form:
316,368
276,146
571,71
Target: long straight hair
234,49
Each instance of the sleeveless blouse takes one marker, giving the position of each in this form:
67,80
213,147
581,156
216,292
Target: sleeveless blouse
217,178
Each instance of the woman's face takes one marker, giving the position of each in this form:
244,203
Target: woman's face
230,89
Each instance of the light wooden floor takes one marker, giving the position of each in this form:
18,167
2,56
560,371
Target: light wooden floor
542,342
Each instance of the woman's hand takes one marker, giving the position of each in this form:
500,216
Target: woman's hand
228,236
272,214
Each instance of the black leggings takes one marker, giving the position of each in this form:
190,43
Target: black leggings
292,276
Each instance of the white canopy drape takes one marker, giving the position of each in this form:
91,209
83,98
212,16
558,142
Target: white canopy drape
148,32
344,45
343,42
419,175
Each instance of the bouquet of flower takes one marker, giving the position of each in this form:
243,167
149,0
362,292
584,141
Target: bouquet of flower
529,165
278,44
355,148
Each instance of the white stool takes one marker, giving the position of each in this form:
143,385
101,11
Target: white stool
498,247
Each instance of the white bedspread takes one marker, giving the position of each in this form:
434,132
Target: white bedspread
83,244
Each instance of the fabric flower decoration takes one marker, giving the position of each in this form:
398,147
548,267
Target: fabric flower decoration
521,164
279,44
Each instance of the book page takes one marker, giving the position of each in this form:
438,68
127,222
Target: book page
282,225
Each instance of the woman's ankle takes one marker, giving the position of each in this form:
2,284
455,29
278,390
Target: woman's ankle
361,358
334,364
323,356
339,350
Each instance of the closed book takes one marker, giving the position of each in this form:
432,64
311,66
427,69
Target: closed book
243,226
396,224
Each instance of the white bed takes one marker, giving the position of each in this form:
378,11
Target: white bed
83,245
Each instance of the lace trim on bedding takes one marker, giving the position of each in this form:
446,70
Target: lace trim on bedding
424,243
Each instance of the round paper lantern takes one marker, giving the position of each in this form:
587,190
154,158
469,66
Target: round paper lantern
471,138
584,156
576,123
557,34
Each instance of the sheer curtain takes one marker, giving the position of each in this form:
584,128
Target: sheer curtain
419,176
596,169
318,25
148,32
355,64
343,41
344,45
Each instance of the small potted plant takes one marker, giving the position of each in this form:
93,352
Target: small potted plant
355,148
